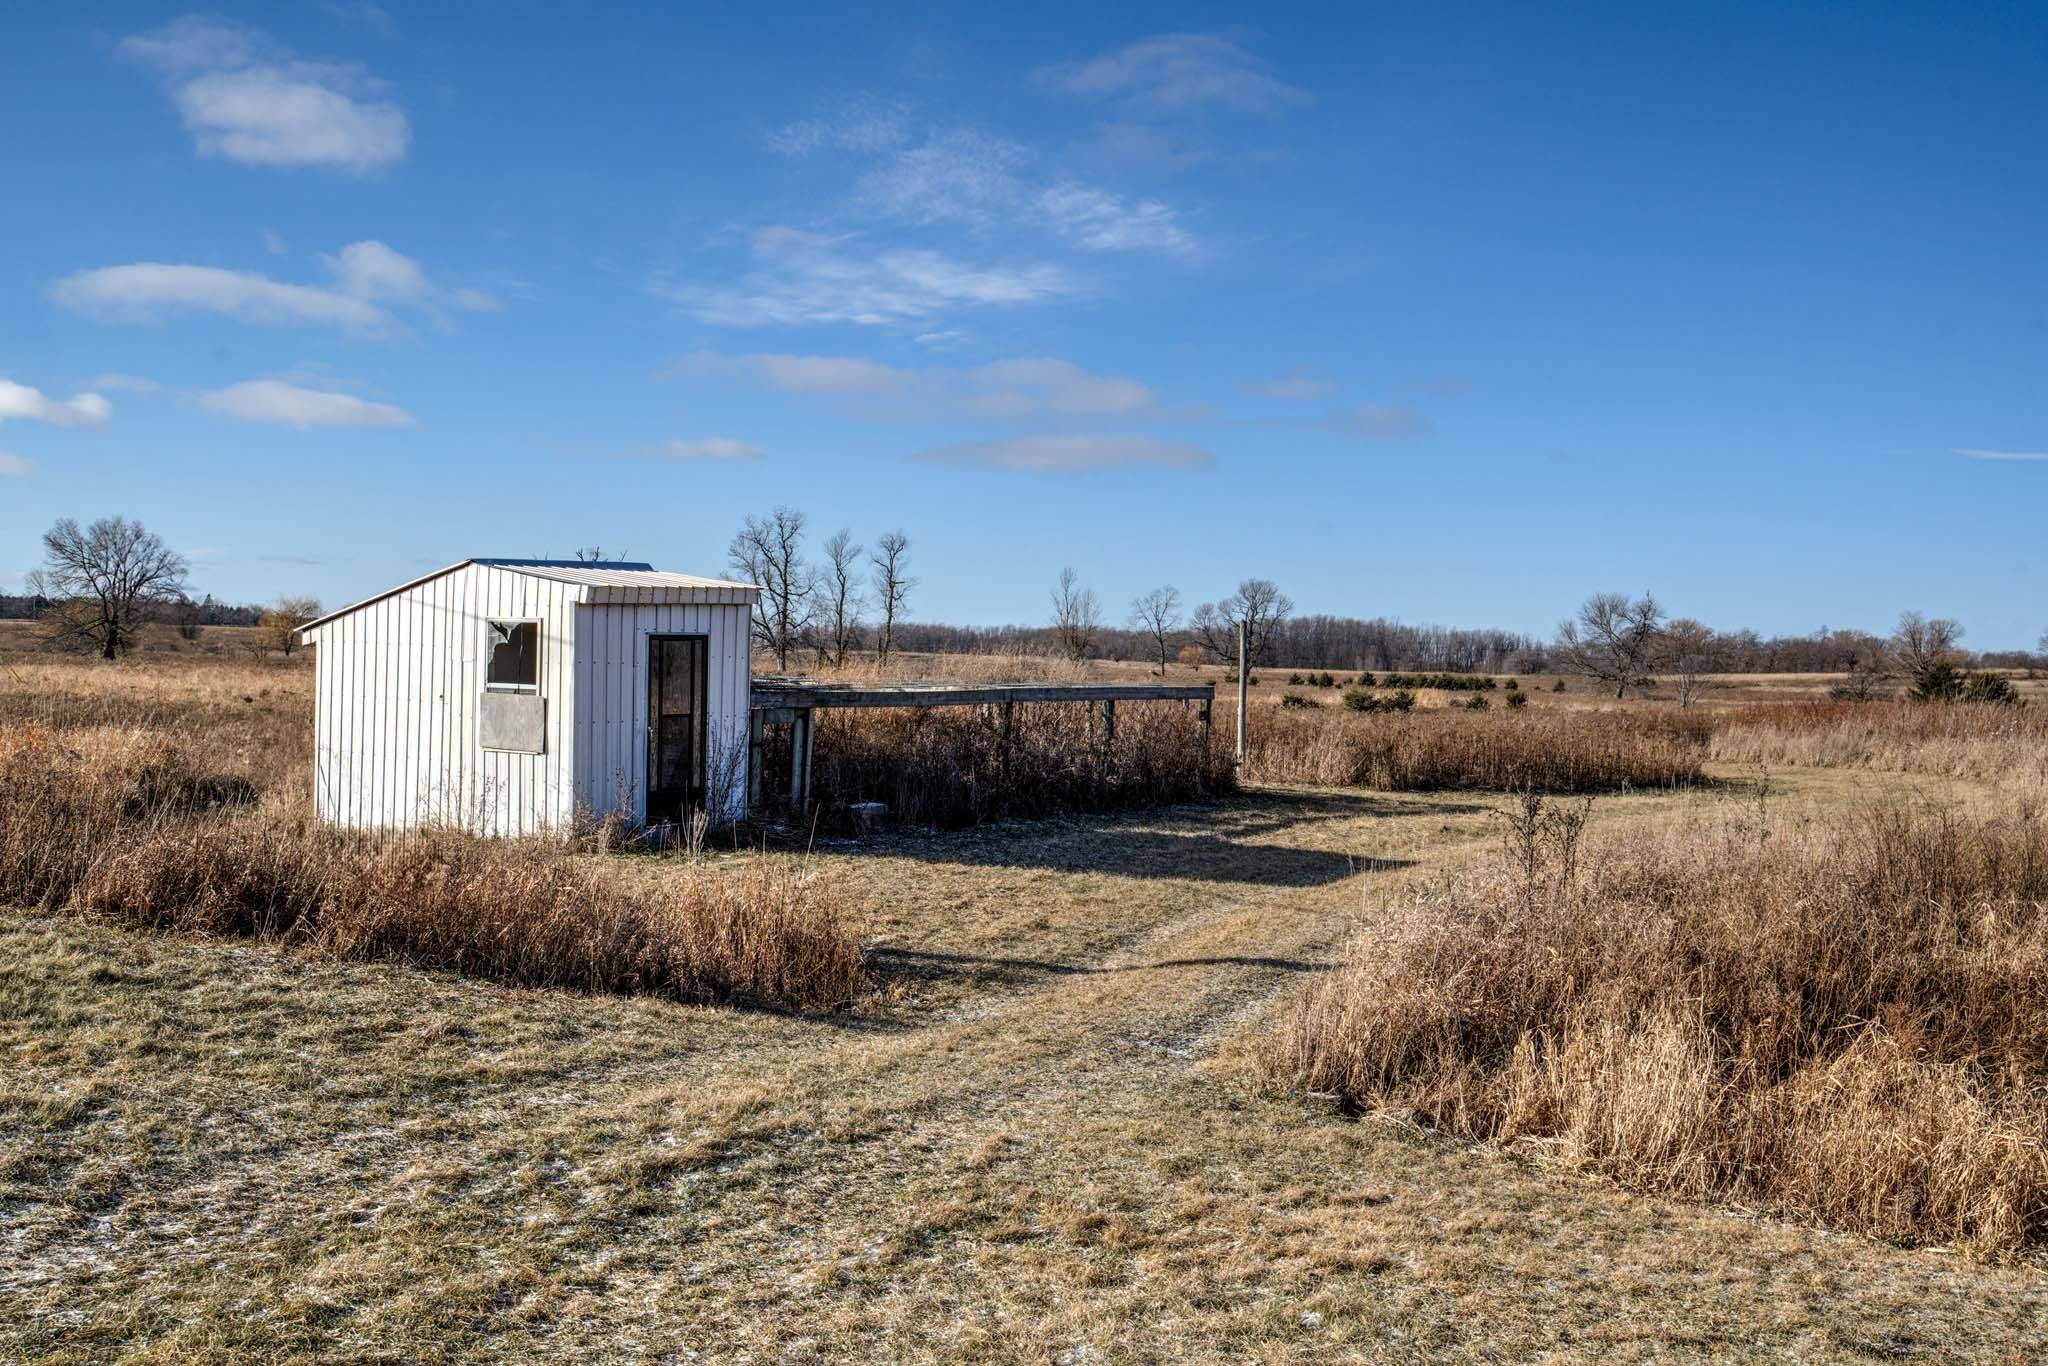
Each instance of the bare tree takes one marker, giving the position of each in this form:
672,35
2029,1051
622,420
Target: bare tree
1259,604
840,591
1687,651
594,554
1922,642
1076,615
768,552
1612,640
107,576
890,561
278,628
1157,614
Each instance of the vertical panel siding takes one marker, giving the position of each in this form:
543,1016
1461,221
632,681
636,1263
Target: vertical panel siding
397,684
612,673
395,731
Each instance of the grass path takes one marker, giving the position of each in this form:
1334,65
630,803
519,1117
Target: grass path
1046,1140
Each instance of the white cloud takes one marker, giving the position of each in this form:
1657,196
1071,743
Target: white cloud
1102,221
371,270
243,97
866,125
1292,385
1072,454
1024,388
80,410
708,448
147,289
1176,72
14,467
800,277
367,275
1374,422
276,400
1976,454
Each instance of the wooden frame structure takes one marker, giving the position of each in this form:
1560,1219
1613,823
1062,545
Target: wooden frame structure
794,701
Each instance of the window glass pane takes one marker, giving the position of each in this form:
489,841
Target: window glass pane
515,654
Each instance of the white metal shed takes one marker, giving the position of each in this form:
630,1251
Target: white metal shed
509,696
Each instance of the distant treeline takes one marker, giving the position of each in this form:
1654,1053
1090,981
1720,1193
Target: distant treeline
1384,644
185,612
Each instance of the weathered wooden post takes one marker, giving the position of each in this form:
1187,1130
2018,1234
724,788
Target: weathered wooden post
1108,722
1244,675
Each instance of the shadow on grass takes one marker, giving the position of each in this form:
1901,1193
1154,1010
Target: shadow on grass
922,965
1213,842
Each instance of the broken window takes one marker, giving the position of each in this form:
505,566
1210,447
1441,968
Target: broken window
514,655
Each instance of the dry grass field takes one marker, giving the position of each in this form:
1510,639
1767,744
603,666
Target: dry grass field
1049,1126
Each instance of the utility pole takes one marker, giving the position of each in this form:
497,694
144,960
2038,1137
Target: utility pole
1244,673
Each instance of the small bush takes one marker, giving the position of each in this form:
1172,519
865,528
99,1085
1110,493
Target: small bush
1517,700
1365,680
1299,702
1476,702
1325,680
1511,685
1294,680
1358,699
1989,687
1557,686
1402,700
1441,682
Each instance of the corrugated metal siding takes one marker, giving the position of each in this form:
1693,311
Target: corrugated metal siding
611,695
396,729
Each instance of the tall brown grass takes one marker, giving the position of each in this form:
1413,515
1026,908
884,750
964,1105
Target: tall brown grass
959,766
1957,740
1556,751
135,827
1845,1021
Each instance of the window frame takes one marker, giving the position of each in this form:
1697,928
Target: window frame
491,647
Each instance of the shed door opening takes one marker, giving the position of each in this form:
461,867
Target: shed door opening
675,726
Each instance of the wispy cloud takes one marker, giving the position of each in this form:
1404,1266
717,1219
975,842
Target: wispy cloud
1101,221
867,124
244,97
1290,386
277,400
14,467
967,177
800,277
708,448
1021,389
1974,453
366,276
1176,72
80,410
1377,422
958,176
1072,454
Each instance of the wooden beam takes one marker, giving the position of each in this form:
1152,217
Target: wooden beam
778,696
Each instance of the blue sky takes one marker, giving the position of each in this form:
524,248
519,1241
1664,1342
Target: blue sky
1449,316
